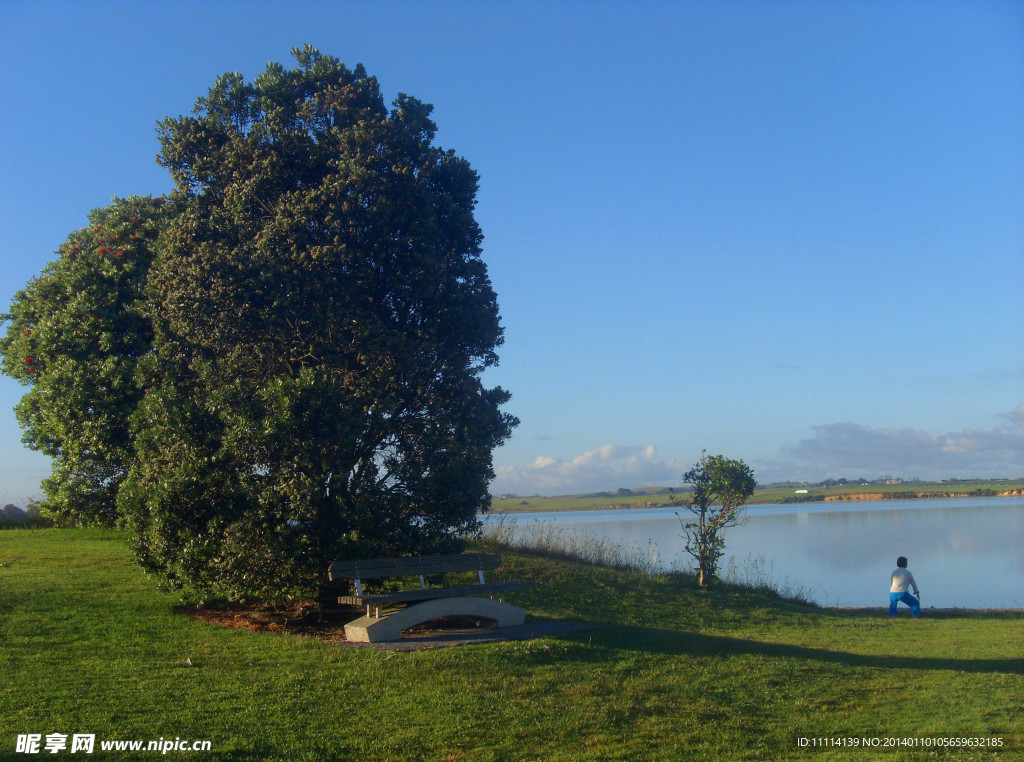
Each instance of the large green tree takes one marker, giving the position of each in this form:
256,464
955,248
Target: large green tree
74,337
322,318
721,486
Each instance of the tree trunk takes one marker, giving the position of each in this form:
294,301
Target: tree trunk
707,571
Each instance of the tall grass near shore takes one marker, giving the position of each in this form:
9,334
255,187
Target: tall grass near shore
553,541
755,574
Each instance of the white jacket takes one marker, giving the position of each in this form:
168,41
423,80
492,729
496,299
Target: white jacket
902,581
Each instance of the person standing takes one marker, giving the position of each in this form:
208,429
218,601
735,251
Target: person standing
902,581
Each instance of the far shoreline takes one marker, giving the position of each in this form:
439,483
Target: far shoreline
770,495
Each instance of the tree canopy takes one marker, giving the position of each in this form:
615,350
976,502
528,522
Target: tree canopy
74,337
316,321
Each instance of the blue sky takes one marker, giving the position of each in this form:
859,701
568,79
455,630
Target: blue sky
789,232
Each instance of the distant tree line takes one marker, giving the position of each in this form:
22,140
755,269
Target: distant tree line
14,517
881,481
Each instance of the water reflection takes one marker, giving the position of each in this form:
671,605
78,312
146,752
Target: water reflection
963,552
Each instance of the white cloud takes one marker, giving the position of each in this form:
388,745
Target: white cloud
835,450
853,450
606,468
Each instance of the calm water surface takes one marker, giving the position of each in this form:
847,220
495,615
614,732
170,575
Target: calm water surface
964,552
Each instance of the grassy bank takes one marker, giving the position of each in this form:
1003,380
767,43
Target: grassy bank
770,494
89,645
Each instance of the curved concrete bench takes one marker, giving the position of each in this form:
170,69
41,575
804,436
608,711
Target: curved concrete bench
370,629
426,603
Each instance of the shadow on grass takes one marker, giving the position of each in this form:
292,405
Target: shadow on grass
673,643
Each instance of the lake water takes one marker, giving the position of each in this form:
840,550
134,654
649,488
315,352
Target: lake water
964,552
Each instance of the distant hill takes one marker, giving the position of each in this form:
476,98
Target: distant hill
637,492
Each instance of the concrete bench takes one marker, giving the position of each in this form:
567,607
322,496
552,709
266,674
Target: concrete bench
426,603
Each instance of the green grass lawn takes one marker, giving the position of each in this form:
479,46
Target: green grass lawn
89,645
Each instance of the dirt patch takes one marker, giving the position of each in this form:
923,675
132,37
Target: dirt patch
298,619
328,625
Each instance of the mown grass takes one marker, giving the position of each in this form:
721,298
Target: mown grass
89,645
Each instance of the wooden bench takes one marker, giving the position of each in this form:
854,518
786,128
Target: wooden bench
426,603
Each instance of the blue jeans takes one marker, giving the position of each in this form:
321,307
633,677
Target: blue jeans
907,598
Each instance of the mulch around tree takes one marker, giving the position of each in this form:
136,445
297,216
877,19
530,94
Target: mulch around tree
329,626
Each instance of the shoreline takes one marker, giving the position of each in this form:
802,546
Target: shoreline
537,504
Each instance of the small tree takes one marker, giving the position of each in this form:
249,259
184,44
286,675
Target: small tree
720,488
